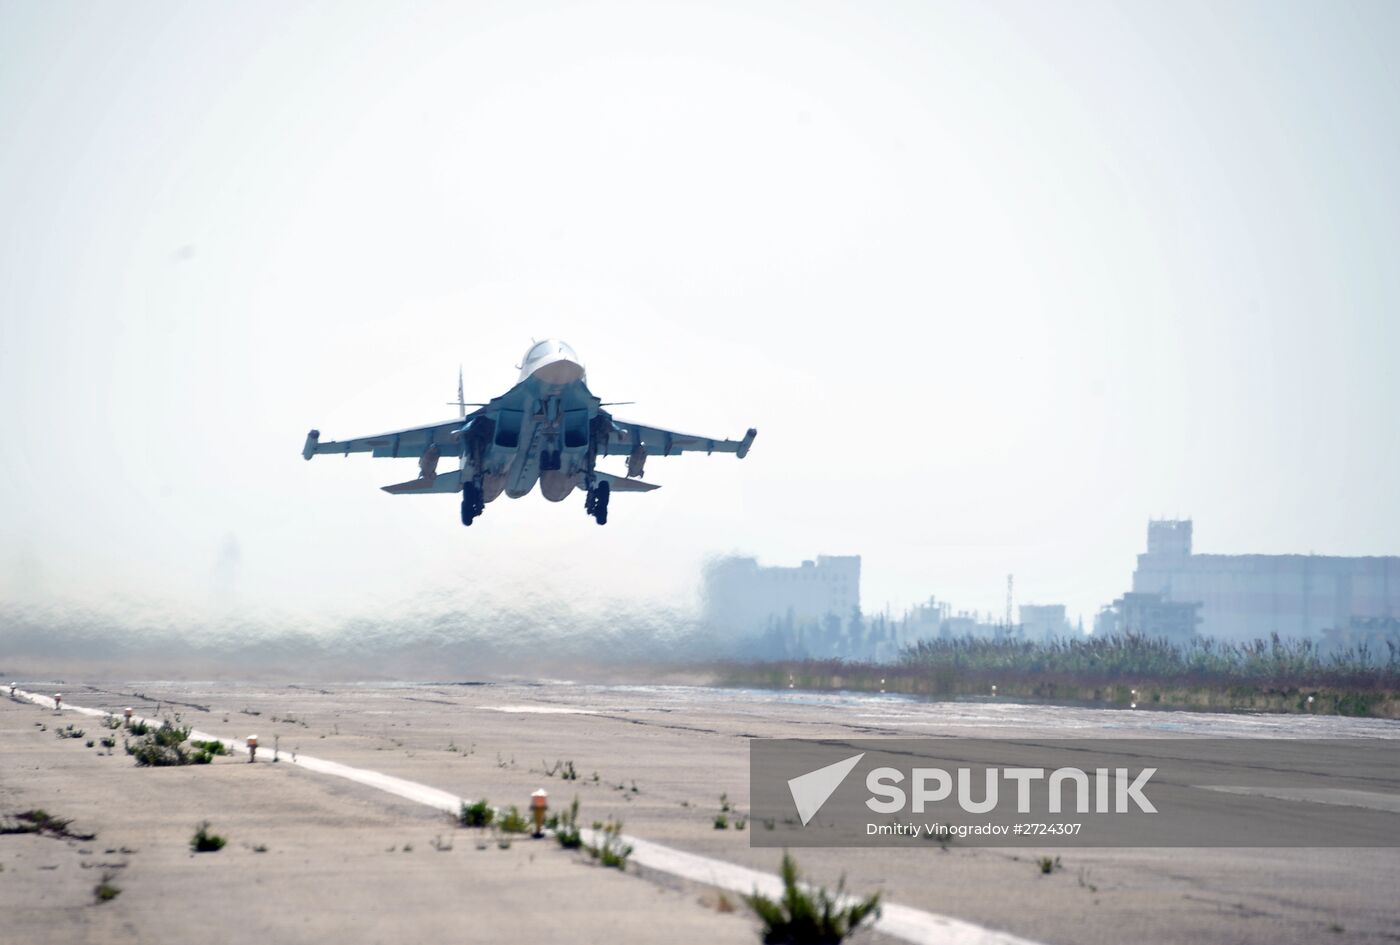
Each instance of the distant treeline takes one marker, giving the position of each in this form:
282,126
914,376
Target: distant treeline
1271,675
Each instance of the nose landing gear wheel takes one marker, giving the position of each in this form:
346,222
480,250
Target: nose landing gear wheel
472,504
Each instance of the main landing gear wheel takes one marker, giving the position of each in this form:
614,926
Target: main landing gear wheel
472,504
596,504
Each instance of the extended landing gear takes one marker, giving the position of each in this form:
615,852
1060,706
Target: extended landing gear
472,502
596,504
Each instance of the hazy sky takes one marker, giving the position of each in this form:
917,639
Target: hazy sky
995,281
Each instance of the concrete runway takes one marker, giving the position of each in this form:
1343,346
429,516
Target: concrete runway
681,746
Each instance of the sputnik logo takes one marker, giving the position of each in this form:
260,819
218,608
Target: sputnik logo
811,790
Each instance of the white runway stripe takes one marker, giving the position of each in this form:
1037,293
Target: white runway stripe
902,922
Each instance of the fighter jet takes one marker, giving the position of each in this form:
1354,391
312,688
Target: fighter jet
547,428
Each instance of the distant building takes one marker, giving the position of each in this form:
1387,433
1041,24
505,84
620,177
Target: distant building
924,621
739,597
1152,615
1379,637
935,620
1169,538
970,624
1246,597
1044,622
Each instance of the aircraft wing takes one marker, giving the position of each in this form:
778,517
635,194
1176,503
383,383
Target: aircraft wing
623,437
414,441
